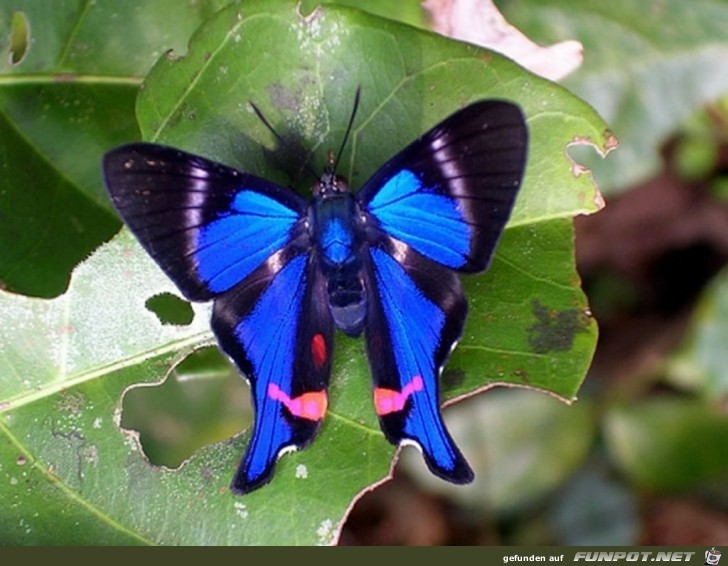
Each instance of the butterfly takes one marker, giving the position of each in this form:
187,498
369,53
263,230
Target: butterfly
284,272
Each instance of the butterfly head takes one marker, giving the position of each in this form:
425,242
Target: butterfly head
330,184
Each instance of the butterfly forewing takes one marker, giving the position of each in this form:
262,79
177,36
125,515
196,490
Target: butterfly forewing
207,225
450,193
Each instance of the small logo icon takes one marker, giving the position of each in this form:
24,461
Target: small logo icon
712,557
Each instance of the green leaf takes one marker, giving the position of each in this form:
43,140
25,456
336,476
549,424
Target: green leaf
668,444
64,101
700,363
648,67
65,363
408,11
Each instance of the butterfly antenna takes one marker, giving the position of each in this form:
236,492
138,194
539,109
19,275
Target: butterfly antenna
278,137
348,128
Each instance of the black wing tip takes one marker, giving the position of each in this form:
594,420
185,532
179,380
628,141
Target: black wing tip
243,484
498,105
117,156
116,162
502,113
460,473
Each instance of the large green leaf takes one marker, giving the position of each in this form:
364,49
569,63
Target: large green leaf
669,444
648,67
701,361
65,363
63,103
408,11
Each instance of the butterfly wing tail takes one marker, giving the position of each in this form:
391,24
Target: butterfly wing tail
421,424
270,439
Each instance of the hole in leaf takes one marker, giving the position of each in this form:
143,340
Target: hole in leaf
19,37
204,400
170,309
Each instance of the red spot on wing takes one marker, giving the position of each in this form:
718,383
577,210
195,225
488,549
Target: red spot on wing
388,401
310,405
318,351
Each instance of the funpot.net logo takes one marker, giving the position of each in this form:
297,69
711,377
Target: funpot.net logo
634,556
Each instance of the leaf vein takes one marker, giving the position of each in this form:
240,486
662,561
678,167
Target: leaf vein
70,493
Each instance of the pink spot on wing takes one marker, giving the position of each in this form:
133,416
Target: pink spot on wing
390,401
318,350
310,405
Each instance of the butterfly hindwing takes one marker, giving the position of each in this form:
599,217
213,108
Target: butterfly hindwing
207,225
416,311
449,194
276,326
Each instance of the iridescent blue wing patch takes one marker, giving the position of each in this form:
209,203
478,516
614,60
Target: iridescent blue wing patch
207,225
277,328
416,312
449,194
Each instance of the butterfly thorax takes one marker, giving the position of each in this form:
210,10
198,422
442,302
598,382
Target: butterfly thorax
335,228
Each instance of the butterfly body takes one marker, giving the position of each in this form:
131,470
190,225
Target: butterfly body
284,272
337,235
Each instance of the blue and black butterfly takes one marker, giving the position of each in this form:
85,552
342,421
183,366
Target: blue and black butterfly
284,271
